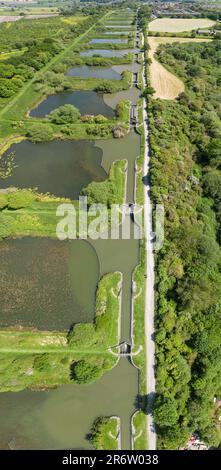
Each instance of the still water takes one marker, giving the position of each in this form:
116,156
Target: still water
106,52
61,168
88,102
95,72
62,418
47,284
111,41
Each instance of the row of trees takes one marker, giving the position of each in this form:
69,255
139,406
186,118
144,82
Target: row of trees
185,143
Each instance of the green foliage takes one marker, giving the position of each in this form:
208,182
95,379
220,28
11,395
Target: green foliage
66,114
185,172
20,199
104,87
165,412
40,132
3,201
110,191
103,332
101,434
84,372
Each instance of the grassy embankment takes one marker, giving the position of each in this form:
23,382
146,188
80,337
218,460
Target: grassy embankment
139,425
104,433
56,358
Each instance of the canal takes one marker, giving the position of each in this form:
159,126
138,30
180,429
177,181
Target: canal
62,418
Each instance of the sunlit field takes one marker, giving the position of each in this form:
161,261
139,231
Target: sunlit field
177,25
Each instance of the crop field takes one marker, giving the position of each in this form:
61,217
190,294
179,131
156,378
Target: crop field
166,85
20,30
177,25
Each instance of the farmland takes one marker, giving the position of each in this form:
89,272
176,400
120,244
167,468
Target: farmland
177,25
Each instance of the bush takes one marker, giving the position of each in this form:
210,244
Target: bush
100,118
119,131
3,201
84,372
66,114
165,412
99,429
20,199
40,133
42,363
104,87
87,118
103,193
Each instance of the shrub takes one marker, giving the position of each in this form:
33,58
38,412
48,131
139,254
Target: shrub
20,199
119,131
100,118
87,118
104,87
42,363
66,114
40,133
3,201
84,372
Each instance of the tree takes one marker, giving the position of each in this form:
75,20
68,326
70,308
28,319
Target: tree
40,133
165,411
84,372
20,199
7,70
212,184
66,114
213,152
